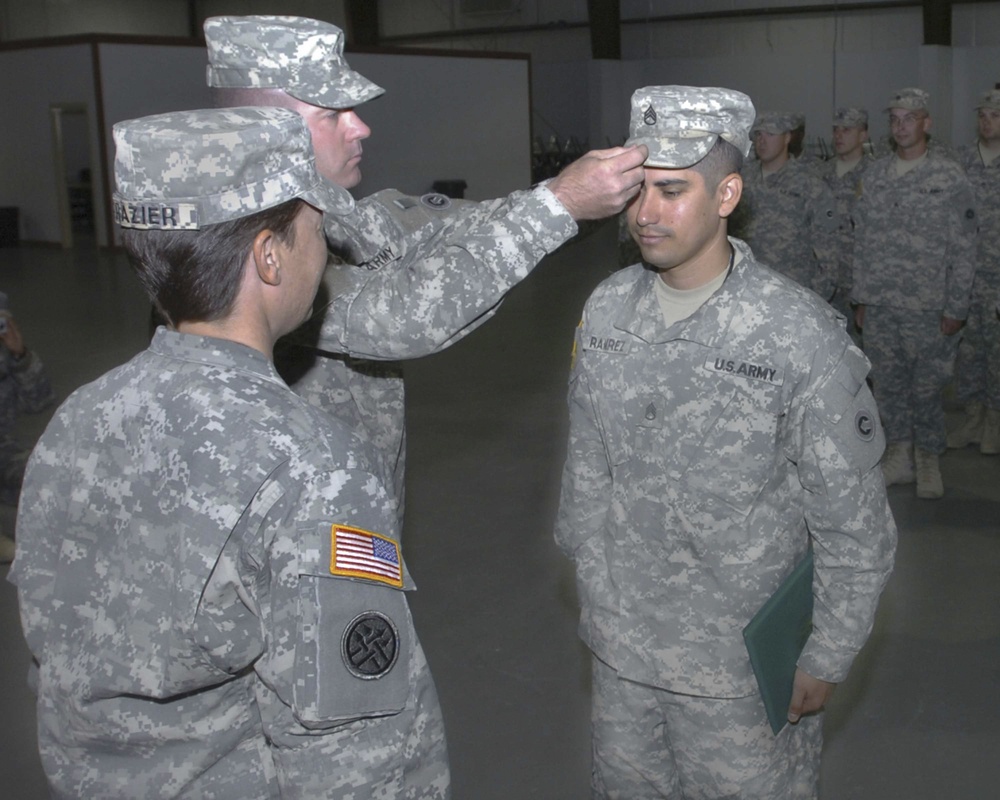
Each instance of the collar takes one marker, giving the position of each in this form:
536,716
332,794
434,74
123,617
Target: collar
213,351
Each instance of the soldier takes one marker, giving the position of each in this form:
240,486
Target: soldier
431,269
977,371
914,262
208,568
787,214
719,421
24,388
844,174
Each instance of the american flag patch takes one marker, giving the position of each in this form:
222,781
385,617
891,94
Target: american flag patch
355,553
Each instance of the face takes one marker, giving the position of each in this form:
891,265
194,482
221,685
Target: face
674,219
303,263
908,128
848,141
770,146
336,136
989,125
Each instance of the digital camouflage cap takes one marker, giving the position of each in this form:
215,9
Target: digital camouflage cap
850,118
776,122
188,169
302,56
680,124
990,99
911,99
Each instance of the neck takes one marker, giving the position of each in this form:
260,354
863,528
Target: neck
233,330
852,156
703,268
776,163
912,152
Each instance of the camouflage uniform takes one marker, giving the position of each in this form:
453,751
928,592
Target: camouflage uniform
428,270
208,567
24,389
789,218
702,458
914,261
846,189
978,368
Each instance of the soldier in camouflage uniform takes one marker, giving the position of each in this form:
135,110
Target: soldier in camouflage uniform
208,567
787,214
429,269
719,421
24,389
914,263
977,370
844,175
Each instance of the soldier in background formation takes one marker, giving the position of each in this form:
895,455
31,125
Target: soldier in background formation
914,263
977,371
420,273
719,421
787,214
844,175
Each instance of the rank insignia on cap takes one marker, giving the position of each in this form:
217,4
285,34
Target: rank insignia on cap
436,200
355,553
649,115
370,646
864,425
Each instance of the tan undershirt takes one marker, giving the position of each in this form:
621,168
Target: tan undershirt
678,304
988,154
843,167
902,167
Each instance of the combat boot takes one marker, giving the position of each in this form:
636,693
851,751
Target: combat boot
989,444
971,429
929,483
897,463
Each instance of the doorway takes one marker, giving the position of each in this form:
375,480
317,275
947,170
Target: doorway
74,174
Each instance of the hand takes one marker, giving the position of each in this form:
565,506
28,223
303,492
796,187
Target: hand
950,326
12,339
809,695
859,317
601,182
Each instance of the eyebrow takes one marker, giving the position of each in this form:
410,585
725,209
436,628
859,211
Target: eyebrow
671,182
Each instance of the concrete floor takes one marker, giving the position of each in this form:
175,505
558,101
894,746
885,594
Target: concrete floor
919,717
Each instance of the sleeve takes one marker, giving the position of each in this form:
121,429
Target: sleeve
41,516
34,390
330,581
961,267
859,287
585,495
847,512
443,275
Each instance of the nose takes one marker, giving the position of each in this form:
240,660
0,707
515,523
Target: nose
647,213
358,129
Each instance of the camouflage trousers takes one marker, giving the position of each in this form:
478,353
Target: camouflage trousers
912,362
650,743
977,370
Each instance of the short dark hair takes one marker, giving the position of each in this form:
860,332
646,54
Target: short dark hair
194,276
722,160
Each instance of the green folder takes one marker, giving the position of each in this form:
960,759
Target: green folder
775,638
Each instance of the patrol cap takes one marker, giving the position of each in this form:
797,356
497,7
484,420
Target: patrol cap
302,56
798,120
990,99
776,122
850,118
188,169
911,99
680,124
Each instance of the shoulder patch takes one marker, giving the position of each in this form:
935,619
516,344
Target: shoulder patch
357,553
436,200
865,425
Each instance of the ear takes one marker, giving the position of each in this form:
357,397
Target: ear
729,193
267,257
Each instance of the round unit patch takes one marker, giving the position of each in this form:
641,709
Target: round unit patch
370,645
864,425
436,200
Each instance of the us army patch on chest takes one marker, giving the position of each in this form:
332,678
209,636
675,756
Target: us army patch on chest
746,369
605,344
